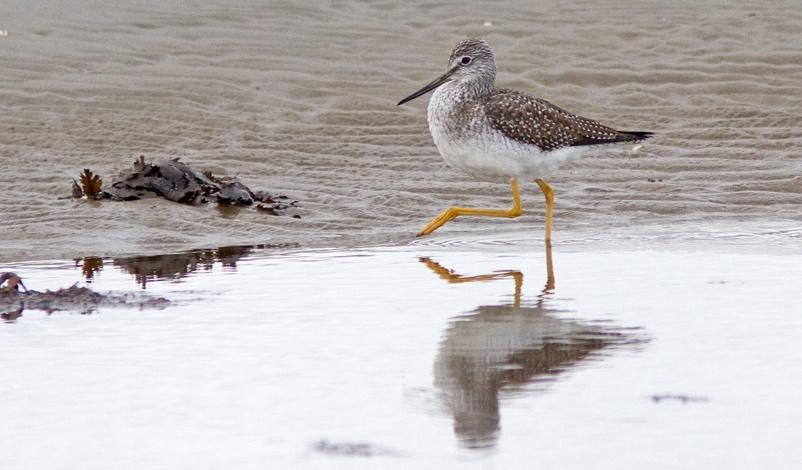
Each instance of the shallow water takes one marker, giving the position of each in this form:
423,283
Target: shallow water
300,99
411,358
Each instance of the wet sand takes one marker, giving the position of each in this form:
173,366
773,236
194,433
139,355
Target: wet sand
447,357
300,100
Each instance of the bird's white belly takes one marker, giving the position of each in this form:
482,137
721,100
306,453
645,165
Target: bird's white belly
491,155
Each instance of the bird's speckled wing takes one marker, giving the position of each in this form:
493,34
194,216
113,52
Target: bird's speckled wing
537,122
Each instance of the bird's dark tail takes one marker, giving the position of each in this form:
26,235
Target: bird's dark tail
638,135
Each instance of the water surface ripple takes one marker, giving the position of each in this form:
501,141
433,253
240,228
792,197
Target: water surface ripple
411,357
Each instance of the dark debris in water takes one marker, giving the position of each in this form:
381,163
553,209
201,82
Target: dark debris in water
11,282
176,181
12,315
350,449
78,299
15,298
678,397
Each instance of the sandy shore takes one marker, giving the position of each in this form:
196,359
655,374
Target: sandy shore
301,100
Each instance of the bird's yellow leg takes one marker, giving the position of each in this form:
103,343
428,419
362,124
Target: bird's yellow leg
454,212
549,194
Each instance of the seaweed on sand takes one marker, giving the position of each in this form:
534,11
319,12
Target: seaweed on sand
176,181
90,183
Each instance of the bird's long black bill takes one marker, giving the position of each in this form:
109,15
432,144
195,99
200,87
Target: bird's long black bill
431,86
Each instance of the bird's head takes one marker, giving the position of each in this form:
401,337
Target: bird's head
471,64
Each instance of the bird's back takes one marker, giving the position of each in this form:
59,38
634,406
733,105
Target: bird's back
534,121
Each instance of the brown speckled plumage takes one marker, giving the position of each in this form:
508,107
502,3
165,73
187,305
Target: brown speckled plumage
537,122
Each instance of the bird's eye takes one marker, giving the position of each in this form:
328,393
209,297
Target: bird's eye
465,60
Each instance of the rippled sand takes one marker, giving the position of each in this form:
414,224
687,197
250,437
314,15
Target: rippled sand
300,99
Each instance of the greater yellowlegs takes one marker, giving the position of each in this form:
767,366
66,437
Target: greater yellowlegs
495,133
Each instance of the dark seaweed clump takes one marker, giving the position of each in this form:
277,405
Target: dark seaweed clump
178,182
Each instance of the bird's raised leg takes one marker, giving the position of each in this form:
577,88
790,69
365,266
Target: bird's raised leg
454,212
549,194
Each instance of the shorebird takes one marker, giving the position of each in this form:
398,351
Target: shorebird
494,133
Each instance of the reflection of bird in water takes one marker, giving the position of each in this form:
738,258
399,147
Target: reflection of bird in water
497,347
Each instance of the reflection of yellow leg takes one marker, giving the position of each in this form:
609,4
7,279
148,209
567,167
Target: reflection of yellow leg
549,193
452,277
454,212
549,270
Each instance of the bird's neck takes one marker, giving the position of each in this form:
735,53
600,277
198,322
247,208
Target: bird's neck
450,108
460,93
474,89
